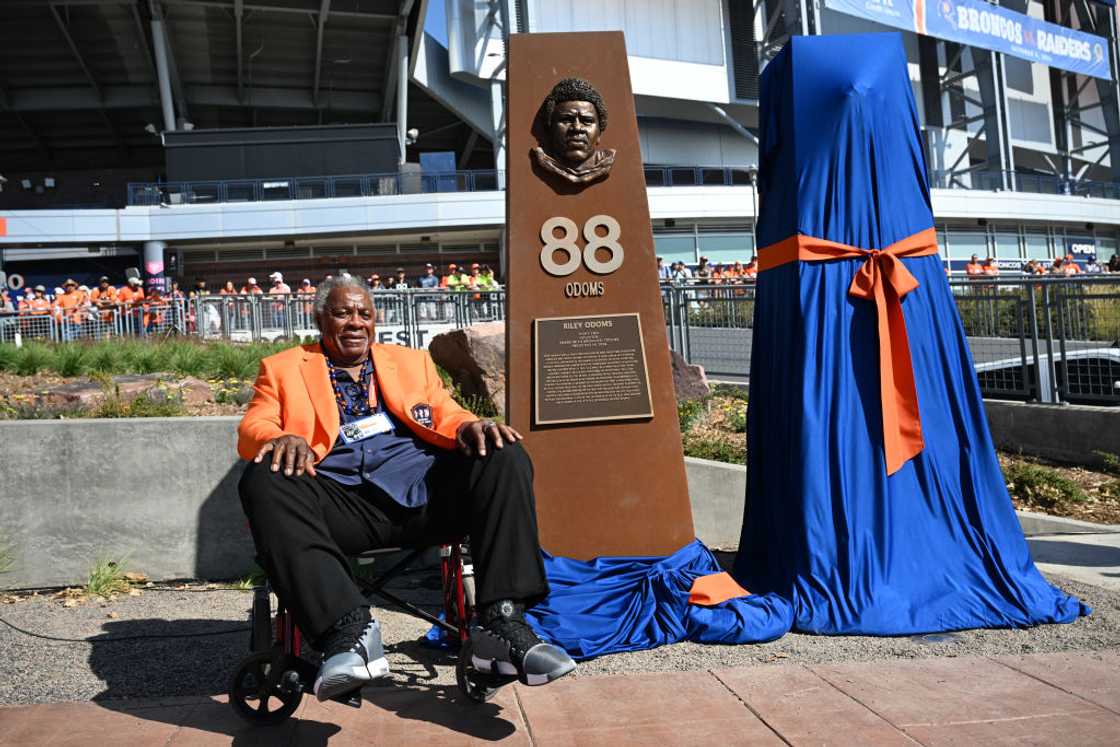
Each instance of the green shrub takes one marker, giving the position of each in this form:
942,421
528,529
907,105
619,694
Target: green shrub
142,358
736,419
103,359
71,360
186,358
714,448
1109,462
226,361
730,390
106,577
8,356
140,407
33,358
36,411
1041,486
687,413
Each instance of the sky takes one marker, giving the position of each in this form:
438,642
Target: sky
435,23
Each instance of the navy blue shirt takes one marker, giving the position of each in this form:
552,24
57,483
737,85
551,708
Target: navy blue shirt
396,462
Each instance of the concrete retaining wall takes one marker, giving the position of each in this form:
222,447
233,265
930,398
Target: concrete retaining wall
1063,433
163,491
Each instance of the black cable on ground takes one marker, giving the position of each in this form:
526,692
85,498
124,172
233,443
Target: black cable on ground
115,639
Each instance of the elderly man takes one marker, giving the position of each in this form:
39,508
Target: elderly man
353,446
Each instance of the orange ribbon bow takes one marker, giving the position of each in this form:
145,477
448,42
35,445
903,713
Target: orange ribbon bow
883,279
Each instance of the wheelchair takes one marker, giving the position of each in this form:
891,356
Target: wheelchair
268,684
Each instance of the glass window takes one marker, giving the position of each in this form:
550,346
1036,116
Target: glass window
675,249
1106,248
728,247
963,244
1007,246
1038,246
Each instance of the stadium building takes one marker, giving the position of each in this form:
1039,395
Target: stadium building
220,139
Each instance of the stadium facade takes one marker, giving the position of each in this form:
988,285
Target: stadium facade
203,136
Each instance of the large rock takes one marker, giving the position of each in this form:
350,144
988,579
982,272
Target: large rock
157,386
689,381
475,358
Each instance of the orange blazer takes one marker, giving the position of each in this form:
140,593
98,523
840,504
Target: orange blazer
293,396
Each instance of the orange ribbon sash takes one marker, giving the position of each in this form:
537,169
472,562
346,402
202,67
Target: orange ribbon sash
883,279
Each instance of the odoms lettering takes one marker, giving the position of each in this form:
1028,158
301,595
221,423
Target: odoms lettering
576,290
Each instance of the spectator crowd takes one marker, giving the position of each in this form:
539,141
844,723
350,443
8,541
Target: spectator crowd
708,273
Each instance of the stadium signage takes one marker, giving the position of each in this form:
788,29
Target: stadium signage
978,24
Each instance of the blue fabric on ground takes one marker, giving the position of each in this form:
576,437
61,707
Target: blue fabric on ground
607,605
937,545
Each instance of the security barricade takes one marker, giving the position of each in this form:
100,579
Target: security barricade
31,327
1047,339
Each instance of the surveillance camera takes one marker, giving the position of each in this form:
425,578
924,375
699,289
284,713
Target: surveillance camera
151,129
412,135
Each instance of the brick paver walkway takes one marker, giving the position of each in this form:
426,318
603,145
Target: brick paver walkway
1048,699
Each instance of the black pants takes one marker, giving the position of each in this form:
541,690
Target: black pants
305,527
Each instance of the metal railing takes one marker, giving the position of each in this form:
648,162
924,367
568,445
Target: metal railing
409,317
396,183
1019,182
310,188
1044,339
87,323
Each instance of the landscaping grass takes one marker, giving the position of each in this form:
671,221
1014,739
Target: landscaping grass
107,577
714,426
1042,486
213,360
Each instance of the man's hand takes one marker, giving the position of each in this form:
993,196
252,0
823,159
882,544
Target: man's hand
472,437
291,453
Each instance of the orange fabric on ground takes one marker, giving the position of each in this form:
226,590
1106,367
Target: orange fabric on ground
883,279
714,589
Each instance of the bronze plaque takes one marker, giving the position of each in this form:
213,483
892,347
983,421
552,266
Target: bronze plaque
580,245
590,368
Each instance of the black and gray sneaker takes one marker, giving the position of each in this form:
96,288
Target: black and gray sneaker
347,668
505,644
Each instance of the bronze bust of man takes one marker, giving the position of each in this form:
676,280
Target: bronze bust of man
573,118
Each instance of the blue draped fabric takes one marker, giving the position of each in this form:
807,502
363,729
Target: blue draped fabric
935,546
613,604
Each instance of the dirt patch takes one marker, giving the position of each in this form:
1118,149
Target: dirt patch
1060,490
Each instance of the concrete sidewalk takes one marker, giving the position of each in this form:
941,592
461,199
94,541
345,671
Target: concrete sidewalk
1032,699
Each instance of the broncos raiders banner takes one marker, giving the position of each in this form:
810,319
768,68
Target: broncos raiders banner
978,24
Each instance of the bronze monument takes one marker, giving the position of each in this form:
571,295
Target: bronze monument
588,378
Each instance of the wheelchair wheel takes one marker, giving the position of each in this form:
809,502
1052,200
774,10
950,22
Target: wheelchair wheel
260,694
477,686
